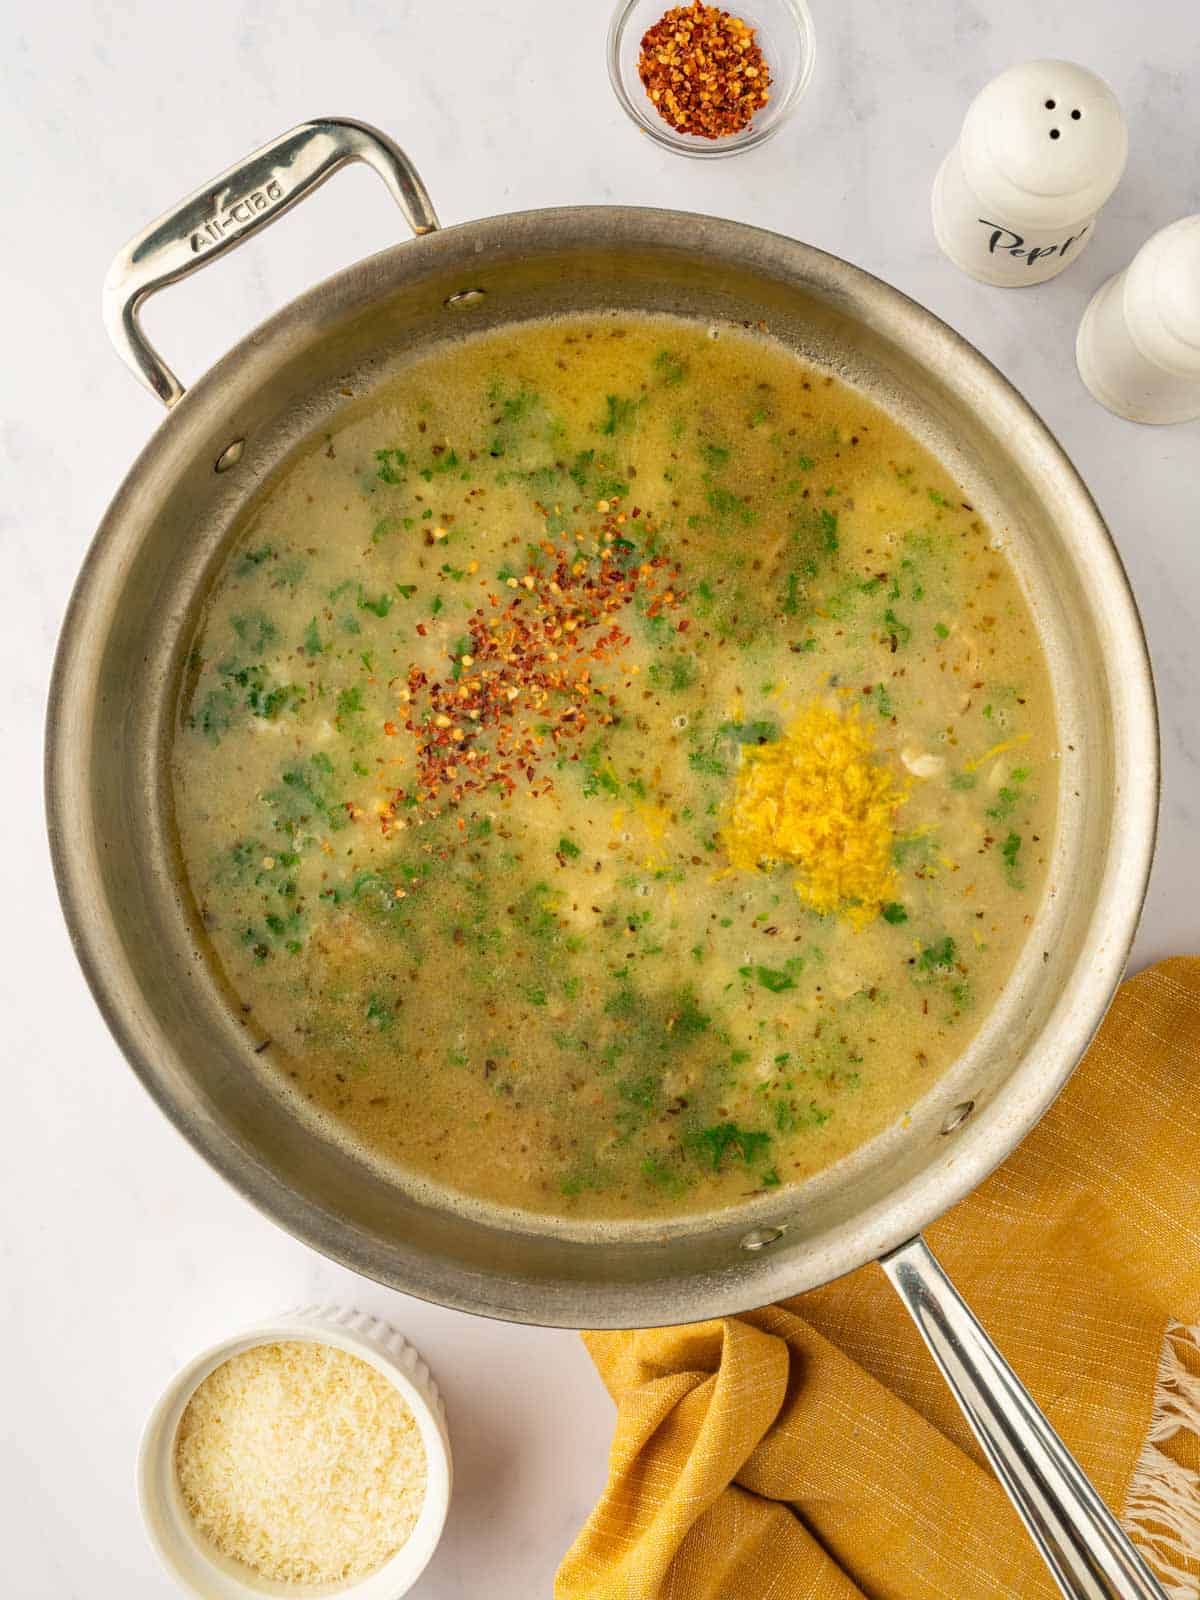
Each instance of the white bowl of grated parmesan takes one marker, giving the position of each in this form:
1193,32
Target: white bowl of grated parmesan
305,1456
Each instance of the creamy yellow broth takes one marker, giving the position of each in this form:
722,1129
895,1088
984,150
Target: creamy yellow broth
460,739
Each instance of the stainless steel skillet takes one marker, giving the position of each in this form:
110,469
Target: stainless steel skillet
114,692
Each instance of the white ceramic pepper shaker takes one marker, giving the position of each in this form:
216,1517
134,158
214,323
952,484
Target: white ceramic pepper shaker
1041,149
1138,348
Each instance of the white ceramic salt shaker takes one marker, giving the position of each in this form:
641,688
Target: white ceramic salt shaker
1041,149
1138,348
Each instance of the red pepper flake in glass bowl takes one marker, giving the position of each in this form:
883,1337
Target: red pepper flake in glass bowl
704,71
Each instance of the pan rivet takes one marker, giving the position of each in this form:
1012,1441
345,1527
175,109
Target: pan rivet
230,456
956,1118
463,298
759,1238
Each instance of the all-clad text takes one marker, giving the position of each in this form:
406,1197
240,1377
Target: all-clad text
230,218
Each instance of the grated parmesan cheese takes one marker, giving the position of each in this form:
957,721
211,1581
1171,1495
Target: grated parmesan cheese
302,1462
822,800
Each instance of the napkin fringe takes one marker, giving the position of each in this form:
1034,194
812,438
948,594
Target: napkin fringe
1162,1509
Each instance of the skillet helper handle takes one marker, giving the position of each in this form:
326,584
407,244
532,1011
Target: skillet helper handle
1080,1540
223,214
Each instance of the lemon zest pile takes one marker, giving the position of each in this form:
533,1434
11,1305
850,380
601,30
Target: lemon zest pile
819,798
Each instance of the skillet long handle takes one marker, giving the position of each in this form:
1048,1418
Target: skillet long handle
1080,1540
224,213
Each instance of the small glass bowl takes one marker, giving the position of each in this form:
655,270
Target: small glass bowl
784,31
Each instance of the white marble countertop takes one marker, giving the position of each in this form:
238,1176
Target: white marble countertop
122,1252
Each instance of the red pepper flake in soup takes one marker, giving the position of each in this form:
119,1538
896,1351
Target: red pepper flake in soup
524,692
704,71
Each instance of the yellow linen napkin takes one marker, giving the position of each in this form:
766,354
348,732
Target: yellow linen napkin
810,1451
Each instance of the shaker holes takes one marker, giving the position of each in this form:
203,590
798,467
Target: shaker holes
1076,116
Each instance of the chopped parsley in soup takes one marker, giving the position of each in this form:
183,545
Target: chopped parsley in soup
615,770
